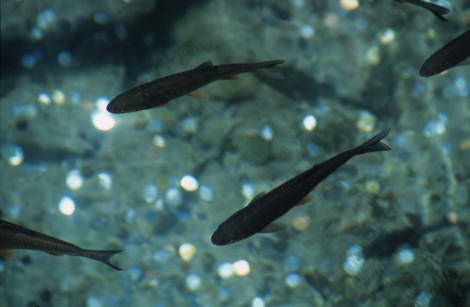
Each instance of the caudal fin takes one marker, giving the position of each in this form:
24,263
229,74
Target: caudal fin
103,256
374,144
268,69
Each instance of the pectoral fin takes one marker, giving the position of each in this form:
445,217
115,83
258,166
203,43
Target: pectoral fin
304,200
7,253
199,95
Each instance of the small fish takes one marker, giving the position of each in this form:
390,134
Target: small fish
267,207
14,236
159,92
436,9
456,52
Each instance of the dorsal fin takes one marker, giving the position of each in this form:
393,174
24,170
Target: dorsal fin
204,66
258,196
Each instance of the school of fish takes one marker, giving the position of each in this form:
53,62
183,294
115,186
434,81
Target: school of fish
264,208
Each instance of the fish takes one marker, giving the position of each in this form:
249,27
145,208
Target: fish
160,91
436,9
455,52
267,207
13,236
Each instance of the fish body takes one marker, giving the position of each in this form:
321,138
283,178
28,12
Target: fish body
159,92
14,236
454,53
265,208
436,9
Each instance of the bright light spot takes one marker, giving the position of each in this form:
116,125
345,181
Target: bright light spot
67,205
349,5
309,122
366,121
13,153
293,280
406,256
102,121
193,282
387,37
150,192
353,264
267,132
58,97
301,223
189,183
248,191
373,55
225,270
159,140
105,180
257,302
206,193
44,98
241,267
307,32
187,251
101,103
74,179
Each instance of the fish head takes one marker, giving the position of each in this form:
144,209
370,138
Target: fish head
230,232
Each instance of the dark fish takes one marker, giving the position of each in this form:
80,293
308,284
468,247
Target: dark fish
436,9
158,92
13,236
454,53
267,207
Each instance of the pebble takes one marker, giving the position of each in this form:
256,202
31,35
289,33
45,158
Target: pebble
193,282
206,193
293,280
291,262
257,302
28,61
225,270
12,153
406,256
366,121
309,122
189,183
241,267
67,205
64,58
74,179
150,192
372,186
187,251
173,197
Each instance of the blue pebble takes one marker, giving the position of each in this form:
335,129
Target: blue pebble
64,58
183,215
292,262
100,18
28,61
135,272
312,150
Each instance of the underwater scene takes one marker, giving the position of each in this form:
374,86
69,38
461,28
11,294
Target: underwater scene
235,153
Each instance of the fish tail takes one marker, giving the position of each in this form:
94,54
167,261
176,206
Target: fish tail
374,144
268,69
103,256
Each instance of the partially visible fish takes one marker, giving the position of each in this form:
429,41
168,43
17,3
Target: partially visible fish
456,52
158,92
14,236
436,9
267,207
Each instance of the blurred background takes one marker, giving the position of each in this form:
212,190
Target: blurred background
385,229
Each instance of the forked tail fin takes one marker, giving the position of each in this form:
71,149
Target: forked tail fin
103,256
374,144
